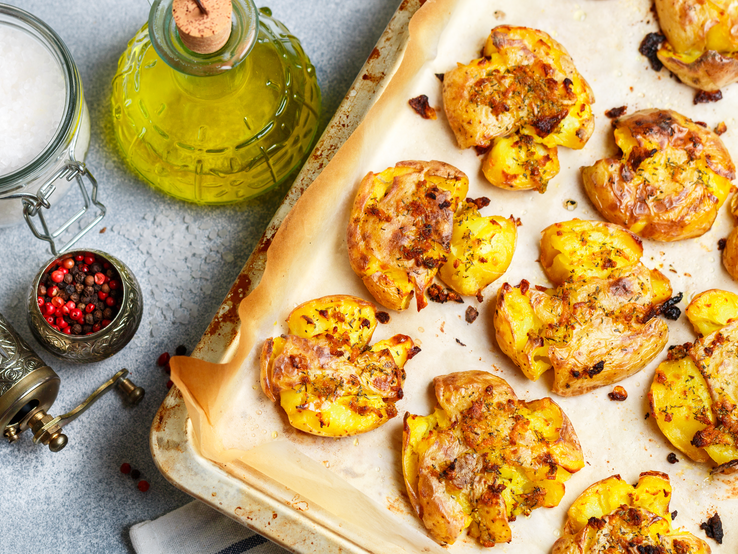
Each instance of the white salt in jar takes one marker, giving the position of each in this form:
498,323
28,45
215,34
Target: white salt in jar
44,128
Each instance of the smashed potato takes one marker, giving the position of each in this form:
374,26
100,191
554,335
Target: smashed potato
326,377
400,229
730,252
670,180
613,516
694,392
484,457
702,46
480,252
599,325
522,99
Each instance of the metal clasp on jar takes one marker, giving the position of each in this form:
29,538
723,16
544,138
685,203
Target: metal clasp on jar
35,204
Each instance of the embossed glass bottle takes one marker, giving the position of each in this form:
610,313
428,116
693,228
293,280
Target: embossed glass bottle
215,128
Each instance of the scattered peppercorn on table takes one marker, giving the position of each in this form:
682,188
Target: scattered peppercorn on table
185,257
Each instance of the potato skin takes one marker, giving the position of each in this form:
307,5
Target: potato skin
671,181
470,463
400,229
326,377
701,47
612,516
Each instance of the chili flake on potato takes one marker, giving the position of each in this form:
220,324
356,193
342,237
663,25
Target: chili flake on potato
484,457
328,379
669,180
599,324
521,100
614,516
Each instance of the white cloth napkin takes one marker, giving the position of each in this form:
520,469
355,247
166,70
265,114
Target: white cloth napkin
195,528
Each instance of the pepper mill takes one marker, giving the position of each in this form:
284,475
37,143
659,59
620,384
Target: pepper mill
28,388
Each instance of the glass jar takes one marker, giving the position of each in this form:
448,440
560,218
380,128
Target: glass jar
215,128
30,191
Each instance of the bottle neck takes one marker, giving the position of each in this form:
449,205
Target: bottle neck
168,44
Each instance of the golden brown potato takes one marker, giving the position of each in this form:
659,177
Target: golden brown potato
599,325
527,89
670,181
701,47
730,252
483,457
579,249
481,250
694,392
326,377
401,228
519,162
612,516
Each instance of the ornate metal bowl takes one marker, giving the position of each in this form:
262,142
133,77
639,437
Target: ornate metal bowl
96,346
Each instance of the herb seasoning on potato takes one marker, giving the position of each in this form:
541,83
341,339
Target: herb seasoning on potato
521,100
484,457
694,391
613,516
328,379
410,221
599,324
669,181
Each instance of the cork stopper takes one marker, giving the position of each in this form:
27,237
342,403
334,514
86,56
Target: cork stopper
203,28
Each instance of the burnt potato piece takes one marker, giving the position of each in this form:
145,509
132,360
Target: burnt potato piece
327,378
701,46
600,323
614,516
669,181
694,393
484,457
522,99
401,228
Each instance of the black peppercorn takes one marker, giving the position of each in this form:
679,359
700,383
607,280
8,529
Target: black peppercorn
68,278
74,297
97,315
76,329
108,313
89,319
95,268
79,277
86,328
69,289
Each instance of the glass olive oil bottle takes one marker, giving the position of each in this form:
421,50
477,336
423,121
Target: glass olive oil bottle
217,127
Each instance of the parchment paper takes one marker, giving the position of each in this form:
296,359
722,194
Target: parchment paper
359,479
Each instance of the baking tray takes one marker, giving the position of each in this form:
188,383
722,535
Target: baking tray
259,503
374,146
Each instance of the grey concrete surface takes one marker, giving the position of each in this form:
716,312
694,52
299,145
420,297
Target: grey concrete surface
77,500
